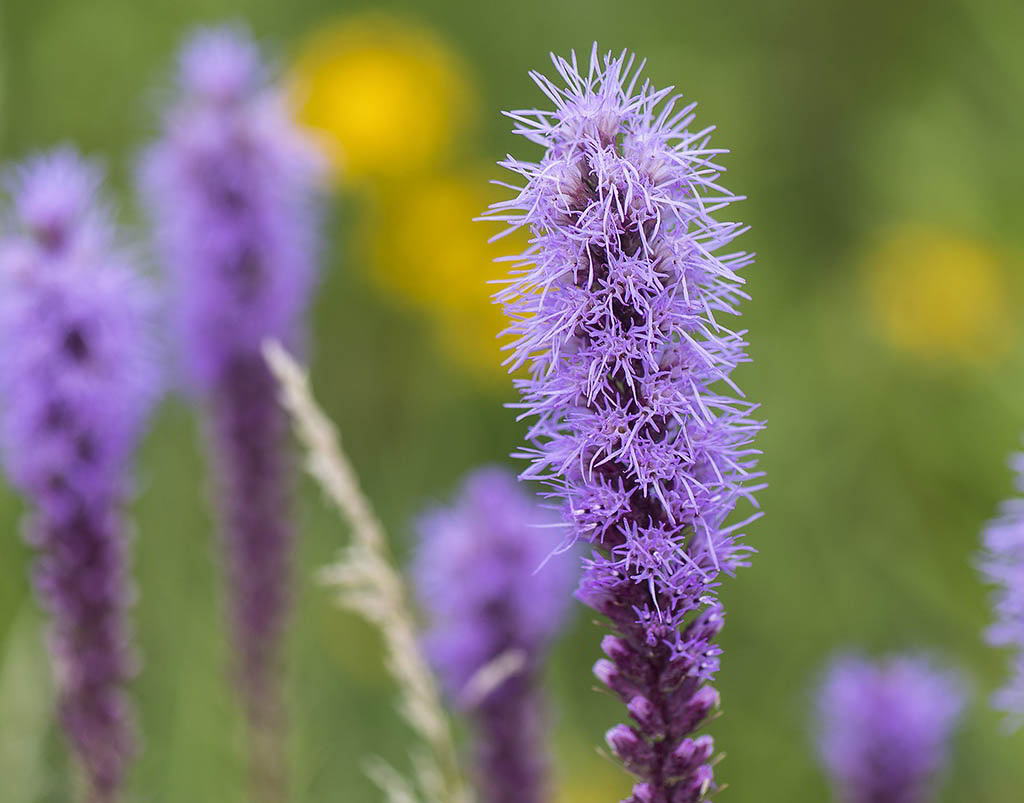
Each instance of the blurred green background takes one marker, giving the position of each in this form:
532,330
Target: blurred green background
879,144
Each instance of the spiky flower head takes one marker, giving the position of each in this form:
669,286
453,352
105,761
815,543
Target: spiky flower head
884,727
620,308
77,379
495,595
1002,565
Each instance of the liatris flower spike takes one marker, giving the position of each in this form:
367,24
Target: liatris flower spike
1002,565
617,306
884,728
77,379
232,192
495,595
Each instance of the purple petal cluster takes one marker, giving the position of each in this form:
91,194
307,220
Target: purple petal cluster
494,597
232,187
620,307
232,190
1002,565
884,727
77,380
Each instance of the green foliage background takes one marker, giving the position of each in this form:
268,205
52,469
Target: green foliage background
843,117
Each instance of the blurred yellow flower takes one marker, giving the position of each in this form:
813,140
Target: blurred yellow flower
387,96
938,295
429,253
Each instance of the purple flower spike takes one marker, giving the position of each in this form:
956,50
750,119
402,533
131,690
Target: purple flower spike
618,306
1002,565
77,380
232,191
884,727
495,601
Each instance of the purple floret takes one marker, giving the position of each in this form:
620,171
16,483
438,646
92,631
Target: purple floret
77,380
619,308
1002,565
232,187
484,577
884,728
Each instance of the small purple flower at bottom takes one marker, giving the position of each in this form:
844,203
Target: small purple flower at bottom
77,381
1002,565
495,596
884,727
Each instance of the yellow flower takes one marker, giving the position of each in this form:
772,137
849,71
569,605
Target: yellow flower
429,253
938,295
387,96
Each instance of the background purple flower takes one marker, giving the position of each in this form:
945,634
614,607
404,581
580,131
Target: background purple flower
231,187
495,599
1002,565
884,728
619,306
77,379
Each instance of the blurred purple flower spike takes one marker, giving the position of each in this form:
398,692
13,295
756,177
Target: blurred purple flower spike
219,66
77,379
232,190
884,727
1002,565
496,596
618,307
